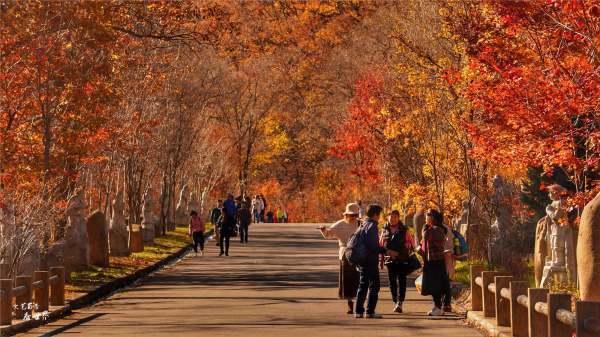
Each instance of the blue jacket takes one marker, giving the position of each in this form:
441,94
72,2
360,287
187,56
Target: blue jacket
372,242
229,206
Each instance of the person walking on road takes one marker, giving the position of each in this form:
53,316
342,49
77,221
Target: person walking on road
369,272
196,231
257,208
395,236
342,231
450,268
226,225
264,207
435,276
215,214
230,207
243,218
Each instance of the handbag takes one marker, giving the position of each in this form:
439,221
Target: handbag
412,264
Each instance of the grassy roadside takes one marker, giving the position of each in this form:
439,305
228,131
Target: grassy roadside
87,280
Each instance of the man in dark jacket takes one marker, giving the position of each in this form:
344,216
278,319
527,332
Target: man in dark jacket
244,217
369,273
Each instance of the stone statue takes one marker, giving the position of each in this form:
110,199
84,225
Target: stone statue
77,256
500,228
149,219
118,236
561,259
181,212
501,200
97,229
588,254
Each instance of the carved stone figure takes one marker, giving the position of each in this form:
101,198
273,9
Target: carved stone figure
501,200
98,239
77,256
560,263
149,220
118,236
588,253
500,229
181,211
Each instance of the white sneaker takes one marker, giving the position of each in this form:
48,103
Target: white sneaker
398,307
201,253
436,312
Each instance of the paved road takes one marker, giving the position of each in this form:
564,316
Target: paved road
283,283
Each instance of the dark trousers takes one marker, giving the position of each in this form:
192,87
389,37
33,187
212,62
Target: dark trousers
436,282
224,241
446,292
243,232
198,240
368,282
397,278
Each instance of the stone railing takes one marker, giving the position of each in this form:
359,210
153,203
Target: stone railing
532,312
32,294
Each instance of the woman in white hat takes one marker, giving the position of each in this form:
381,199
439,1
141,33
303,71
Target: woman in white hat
342,231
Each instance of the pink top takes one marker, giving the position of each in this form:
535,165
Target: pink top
196,224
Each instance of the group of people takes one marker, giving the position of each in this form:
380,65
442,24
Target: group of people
232,217
229,217
260,213
394,248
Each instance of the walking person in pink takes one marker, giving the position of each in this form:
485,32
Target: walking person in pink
196,231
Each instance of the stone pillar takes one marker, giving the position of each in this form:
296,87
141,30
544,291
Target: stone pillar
588,254
77,256
149,219
136,240
540,252
118,235
98,239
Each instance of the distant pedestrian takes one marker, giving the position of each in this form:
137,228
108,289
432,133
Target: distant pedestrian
264,207
226,229
285,217
348,275
243,220
395,236
450,268
369,273
435,276
270,216
279,215
215,214
257,209
361,213
196,231
230,207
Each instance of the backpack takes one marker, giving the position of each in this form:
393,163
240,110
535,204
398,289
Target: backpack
356,250
461,249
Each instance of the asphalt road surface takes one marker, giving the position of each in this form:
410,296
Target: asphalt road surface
282,283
